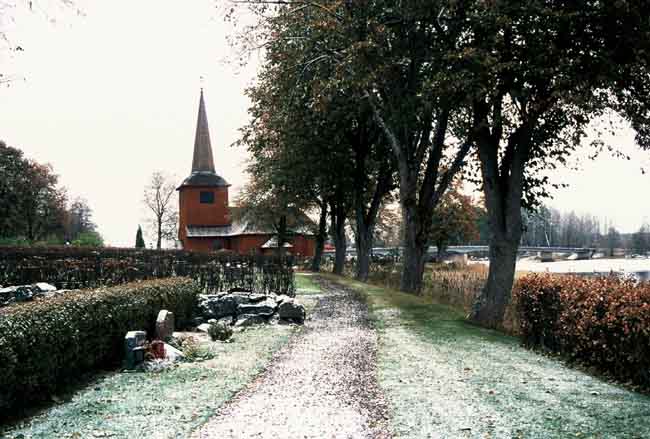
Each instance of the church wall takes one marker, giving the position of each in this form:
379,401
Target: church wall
206,244
199,214
250,244
304,245
247,244
193,212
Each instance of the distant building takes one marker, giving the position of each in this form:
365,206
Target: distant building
207,222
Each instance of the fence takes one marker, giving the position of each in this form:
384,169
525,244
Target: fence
73,268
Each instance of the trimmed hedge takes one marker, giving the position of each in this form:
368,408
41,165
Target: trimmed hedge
599,321
47,344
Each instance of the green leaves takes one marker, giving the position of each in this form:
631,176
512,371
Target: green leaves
46,344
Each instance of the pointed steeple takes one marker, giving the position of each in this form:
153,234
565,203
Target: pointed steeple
203,161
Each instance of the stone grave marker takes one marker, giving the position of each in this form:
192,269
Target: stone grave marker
164,325
134,348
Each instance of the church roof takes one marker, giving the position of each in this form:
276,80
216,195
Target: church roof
273,243
245,225
203,172
205,179
203,161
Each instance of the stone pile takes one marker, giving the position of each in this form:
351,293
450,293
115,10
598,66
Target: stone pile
243,308
24,293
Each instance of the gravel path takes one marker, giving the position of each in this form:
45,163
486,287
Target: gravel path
322,385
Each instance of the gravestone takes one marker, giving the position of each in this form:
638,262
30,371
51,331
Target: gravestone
134,348
164,325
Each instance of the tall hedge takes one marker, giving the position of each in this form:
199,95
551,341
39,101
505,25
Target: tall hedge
598,321
46,344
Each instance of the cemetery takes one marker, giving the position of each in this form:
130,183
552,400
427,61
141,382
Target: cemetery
410,219
129,319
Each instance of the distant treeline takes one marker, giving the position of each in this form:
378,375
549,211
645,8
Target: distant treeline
548,226
35,209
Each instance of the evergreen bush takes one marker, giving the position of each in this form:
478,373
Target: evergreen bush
46,344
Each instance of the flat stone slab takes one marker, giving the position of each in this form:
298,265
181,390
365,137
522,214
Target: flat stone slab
267,308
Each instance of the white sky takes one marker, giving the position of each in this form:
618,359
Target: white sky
111,96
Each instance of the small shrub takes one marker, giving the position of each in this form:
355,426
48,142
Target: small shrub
47,344
599,321
193,349
456,285
219,331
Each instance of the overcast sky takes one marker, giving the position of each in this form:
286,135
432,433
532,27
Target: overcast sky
111,96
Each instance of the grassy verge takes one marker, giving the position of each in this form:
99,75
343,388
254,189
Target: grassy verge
306,285
168,404
445,378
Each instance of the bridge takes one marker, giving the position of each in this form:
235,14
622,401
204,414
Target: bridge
546,253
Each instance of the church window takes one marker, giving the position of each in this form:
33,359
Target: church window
207,197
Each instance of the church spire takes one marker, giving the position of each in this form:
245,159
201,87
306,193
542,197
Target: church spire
203,161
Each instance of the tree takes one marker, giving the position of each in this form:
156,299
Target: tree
264,204
41,203
417,106
537,73
387,58
388,231
455,220
323,147
13,166
613,240
78,219
89,239
160,201
641,239
34,206
139,240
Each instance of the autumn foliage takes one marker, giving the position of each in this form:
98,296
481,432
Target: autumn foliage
599,321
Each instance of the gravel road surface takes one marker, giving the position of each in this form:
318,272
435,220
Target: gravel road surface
322,385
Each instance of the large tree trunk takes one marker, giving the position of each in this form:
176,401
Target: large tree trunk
363,241
442,250
366,219
415,248
420,189
281,228
489,308
341,247
369,192
338,216
503,184
321,236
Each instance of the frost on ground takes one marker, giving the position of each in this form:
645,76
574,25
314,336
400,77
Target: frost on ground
447,379
323,385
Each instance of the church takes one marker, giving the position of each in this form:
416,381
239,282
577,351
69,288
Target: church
208,223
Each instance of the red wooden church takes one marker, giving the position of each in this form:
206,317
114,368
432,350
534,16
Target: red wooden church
206,221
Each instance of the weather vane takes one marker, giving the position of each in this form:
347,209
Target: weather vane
201,81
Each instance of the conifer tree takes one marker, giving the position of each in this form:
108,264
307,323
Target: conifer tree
139,240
